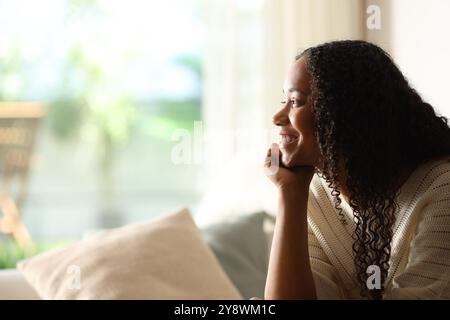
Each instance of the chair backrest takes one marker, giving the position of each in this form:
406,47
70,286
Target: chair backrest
19,123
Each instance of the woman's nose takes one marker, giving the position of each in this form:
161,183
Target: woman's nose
281,118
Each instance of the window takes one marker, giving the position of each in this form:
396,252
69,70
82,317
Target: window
117,77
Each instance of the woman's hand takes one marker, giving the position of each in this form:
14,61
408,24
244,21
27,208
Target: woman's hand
286,178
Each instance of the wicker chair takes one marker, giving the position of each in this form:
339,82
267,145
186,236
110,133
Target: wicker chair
19,123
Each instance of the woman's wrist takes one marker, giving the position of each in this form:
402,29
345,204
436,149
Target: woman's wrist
293,200
293,191
297,186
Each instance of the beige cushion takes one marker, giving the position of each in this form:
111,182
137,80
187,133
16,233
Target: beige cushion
165,258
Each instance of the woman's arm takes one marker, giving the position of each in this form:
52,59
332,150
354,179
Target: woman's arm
289,275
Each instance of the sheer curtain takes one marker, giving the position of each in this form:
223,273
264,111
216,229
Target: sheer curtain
250,46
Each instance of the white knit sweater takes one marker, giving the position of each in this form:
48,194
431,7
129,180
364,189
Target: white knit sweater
420,248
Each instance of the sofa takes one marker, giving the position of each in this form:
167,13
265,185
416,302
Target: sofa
236,221
241,247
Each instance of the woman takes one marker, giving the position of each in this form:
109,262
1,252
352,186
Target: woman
364,182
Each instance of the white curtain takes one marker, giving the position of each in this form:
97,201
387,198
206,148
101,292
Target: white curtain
251,44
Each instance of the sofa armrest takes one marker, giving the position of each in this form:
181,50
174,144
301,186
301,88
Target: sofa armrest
13,286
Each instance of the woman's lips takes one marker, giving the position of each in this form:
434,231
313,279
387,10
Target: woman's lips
287,139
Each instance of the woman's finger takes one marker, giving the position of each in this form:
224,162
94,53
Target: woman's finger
272,160
268,157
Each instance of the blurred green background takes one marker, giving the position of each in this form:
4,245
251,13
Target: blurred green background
118,78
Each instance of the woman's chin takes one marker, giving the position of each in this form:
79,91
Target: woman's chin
288,161
291,161
291,155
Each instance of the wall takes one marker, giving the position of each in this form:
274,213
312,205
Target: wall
417,33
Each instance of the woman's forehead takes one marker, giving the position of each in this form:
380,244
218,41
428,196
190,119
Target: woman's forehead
298,77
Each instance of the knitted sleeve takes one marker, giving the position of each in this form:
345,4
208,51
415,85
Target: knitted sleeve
427,272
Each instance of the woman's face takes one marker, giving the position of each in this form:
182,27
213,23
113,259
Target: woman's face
298,144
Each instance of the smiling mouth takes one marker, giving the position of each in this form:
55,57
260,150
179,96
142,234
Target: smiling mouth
287,139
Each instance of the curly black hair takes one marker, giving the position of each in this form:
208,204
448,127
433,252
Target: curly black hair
371,124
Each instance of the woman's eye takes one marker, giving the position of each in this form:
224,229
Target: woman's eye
296,103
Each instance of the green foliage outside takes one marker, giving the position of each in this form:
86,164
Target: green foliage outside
11,253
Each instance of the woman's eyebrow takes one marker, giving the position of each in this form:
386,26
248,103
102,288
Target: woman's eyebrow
294,90
297,90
